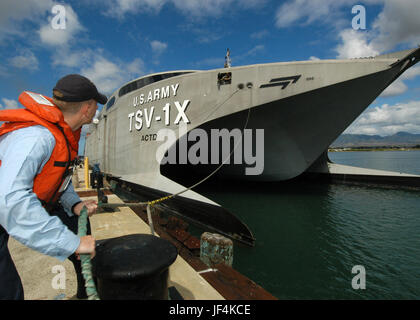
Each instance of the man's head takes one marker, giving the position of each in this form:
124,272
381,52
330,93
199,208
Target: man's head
77,88
77,98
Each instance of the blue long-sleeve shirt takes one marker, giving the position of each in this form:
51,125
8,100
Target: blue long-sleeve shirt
23,154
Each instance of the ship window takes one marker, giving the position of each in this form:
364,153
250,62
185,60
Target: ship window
110,103
137,84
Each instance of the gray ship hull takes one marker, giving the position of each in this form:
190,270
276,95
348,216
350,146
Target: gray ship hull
302,107
297,129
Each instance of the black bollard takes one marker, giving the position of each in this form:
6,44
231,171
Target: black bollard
133,267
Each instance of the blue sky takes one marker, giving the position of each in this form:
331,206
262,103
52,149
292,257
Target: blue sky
114,41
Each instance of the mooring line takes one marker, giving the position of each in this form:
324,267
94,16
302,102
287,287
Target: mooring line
85,258
82,223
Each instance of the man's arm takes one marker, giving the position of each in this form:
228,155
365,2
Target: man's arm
69,199
72,203
23,153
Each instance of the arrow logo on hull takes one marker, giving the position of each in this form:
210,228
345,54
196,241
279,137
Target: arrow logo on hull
283,82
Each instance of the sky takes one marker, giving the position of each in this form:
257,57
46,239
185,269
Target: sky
114,41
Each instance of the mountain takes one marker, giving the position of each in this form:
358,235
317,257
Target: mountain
402,139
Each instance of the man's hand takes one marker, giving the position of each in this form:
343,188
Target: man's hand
91,206
87,245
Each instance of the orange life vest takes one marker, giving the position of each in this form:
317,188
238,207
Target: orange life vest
40,110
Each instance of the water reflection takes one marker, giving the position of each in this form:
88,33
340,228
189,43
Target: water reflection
310,235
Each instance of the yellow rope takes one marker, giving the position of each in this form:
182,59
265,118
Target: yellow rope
152,203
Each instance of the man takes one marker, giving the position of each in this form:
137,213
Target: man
38,204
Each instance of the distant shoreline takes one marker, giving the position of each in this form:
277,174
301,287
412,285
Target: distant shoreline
350,149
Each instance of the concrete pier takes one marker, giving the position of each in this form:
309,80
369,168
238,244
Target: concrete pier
41,274
46,278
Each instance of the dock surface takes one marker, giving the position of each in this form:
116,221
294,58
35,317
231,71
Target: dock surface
39,273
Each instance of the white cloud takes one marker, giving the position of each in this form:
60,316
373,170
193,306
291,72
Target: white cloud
26,60
108,75
120,7
9,104
189,7
64,57
315,11
292,12
158,47
255,50
104,73
135,68
388,120
259,35
399,87
60,37
15,16
201,8
206,33
214,7
13,12
355,44
398,23
411,73
396,88
209,37
27,18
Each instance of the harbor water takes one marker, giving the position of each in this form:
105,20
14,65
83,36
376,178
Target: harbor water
310,235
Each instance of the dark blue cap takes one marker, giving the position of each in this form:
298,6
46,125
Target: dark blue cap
77,88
